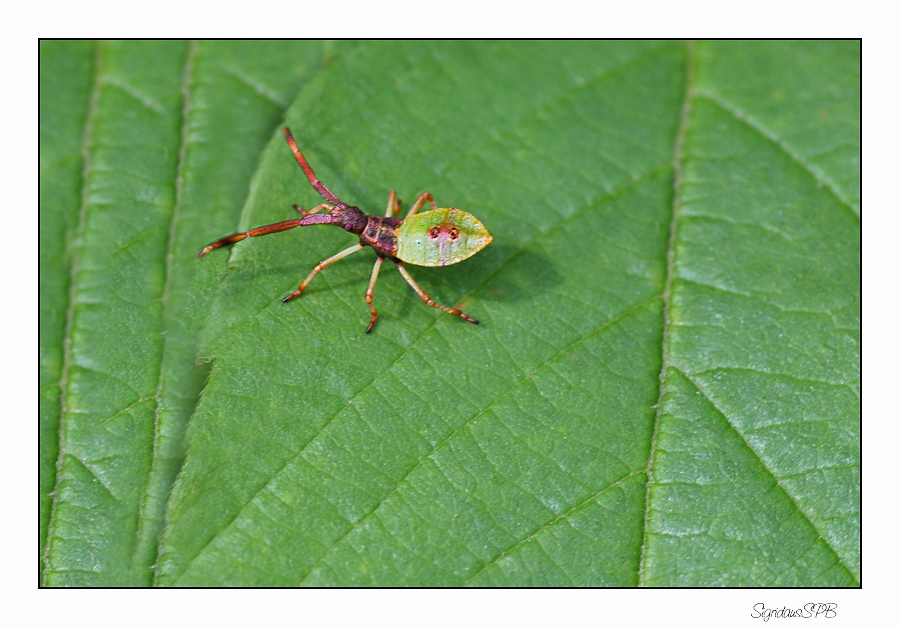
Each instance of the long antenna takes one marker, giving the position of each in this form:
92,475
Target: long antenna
316,183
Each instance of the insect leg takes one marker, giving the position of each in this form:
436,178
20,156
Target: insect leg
421,201
372,289
316,183
393,207
320,266
262,230
315,209
427,298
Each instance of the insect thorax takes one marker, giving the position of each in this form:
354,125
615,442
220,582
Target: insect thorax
381,234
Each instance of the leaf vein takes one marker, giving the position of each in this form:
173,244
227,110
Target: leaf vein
73,238
146,531
256,86
562,97
572,510
820,177
677,159
808,517
95,474
837,384
500,397
146,101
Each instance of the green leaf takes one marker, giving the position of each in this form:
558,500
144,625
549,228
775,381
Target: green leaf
171,139
664,389
66,70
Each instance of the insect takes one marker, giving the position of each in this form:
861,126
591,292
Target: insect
438,237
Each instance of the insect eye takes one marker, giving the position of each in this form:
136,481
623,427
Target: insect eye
454,232
433,232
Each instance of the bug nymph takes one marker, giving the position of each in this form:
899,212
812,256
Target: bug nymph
438,237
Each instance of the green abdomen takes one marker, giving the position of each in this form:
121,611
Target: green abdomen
440,237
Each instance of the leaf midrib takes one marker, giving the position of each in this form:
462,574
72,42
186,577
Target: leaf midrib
72,241
677,160
691,92
145,530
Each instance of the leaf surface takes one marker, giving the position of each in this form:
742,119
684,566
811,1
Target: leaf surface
159,173
664,389
66,71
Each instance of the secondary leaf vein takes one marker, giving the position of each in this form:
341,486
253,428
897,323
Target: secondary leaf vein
572,510
808,517
500,397
821,178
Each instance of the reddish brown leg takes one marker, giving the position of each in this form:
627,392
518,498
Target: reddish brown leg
369,293
427,298
316,183
393,207
315,209
320,266
262,230
421,201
